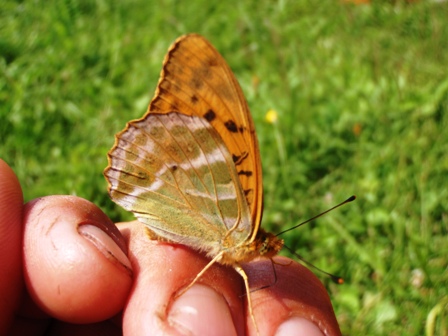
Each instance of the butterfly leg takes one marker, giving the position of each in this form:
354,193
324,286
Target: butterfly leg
243,274
201,273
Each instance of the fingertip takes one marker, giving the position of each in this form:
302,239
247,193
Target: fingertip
105,245
161,271
293,291
11,211
298,326
74,260
201,311
11,196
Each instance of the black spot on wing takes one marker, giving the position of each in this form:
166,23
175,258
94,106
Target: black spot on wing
210,115
231,126
212,62
245,172
237,159
196,83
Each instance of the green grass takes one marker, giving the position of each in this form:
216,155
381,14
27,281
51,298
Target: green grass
362,98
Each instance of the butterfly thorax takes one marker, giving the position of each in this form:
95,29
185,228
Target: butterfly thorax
265,244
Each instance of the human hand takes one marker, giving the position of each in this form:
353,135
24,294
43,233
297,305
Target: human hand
67,269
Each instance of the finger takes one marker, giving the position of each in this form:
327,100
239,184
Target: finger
11,284
296,304
74,260
212,307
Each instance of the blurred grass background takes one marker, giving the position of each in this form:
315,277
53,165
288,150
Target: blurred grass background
361,94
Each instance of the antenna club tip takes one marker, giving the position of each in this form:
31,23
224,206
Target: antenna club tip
351,198
337,280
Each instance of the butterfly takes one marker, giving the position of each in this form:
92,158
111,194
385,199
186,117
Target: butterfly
190,168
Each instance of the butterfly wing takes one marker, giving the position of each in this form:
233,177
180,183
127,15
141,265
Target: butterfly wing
176,175
196,80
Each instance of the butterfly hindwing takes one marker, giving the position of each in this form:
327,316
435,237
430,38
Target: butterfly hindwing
176,175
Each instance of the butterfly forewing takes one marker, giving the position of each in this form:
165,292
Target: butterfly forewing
196,80
176,175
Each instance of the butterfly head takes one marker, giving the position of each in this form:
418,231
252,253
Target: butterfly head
266,244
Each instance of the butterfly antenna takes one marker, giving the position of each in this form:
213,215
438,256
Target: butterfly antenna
336,279
348,200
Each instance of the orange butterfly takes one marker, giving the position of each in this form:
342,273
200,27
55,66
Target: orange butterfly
190,168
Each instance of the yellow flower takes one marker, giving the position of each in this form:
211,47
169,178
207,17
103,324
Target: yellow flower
357,129
271,116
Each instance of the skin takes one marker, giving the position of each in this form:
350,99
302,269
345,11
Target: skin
68,270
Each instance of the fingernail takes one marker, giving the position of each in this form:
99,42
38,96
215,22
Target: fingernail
105,244
201,311
298,326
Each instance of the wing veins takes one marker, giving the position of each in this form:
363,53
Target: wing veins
190,106
227,79
190,163
139,166
235,180
148,191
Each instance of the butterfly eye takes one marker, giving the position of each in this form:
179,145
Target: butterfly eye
265,248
